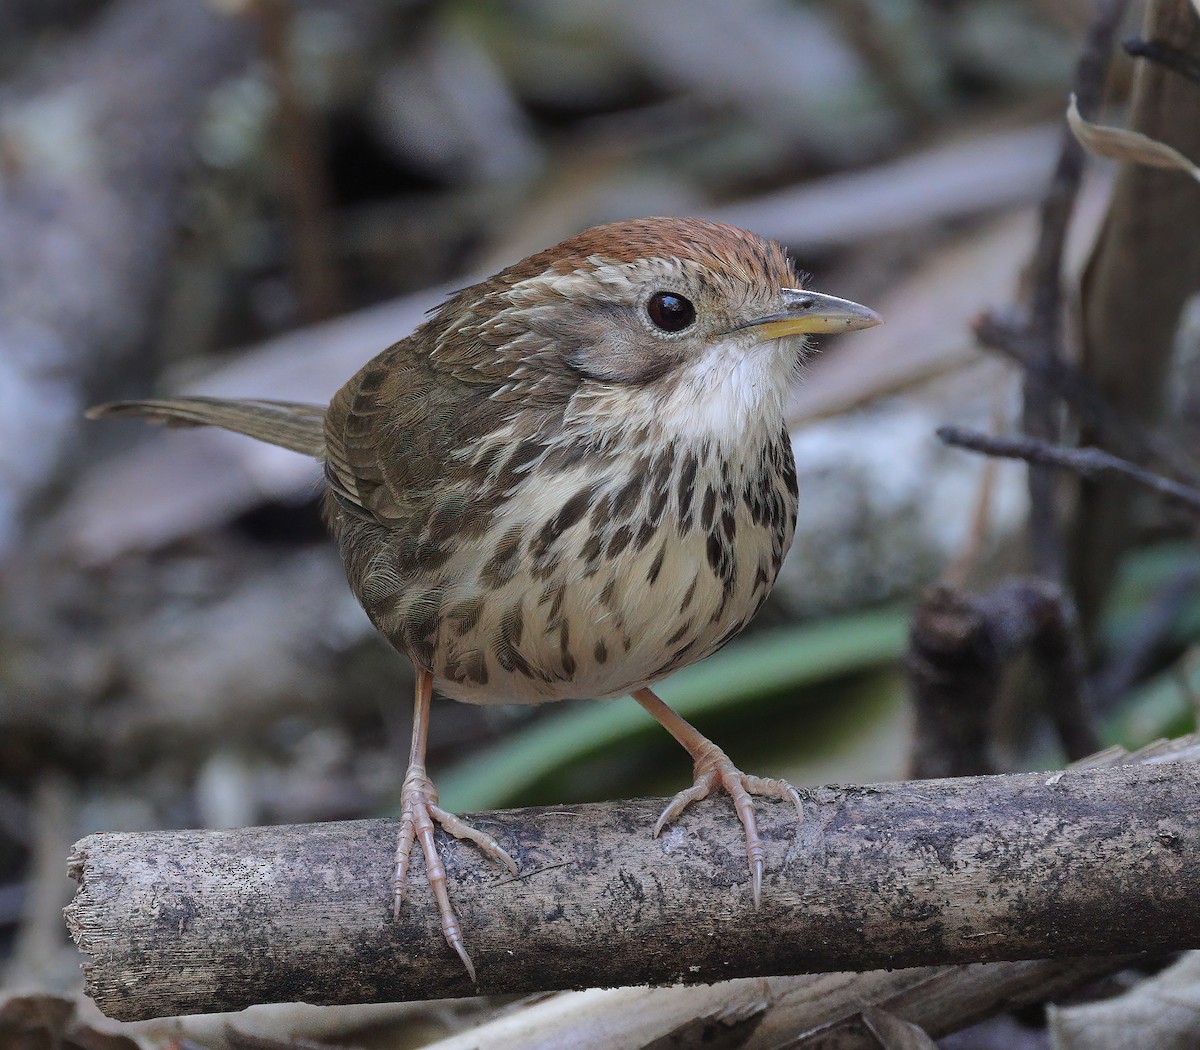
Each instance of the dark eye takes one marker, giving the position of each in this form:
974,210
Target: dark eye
670,312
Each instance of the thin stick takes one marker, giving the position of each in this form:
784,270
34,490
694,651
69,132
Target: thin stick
1087,462
1165,55
305,186
1044,324
1126,436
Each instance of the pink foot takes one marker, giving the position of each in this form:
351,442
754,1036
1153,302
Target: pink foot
419,810
715,770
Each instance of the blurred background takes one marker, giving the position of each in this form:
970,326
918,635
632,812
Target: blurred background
253,197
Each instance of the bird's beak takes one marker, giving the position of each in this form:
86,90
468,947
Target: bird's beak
811,313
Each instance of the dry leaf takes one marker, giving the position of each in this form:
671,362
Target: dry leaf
894,1033
1123,144
1162,1011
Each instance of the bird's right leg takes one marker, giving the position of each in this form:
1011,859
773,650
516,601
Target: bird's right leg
715,770
418,812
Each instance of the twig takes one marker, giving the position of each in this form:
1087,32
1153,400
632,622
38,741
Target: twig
1087,462
305,186
1126,436
1165,55
1039,335
929,872
1058,643
1043,327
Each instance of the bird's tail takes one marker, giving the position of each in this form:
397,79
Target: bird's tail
288,424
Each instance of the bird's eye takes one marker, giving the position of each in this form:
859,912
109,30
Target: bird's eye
670,312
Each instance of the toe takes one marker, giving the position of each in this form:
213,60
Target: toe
460,829
418,813
772,788
702,788
404,845
732,781
435,874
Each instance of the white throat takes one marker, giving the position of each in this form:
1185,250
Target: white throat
733,397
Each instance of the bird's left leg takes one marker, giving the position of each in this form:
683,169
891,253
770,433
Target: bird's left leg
714,769
419,812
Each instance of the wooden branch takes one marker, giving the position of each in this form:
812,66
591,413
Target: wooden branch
1083,862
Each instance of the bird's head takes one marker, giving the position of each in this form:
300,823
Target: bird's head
672,317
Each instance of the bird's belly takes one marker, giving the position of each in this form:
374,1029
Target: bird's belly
586,583
589,632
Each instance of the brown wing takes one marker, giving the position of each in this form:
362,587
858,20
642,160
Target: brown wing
374,435
436,399
394,432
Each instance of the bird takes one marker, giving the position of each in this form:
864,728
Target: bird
573,479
